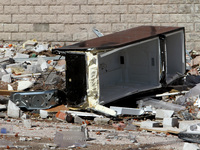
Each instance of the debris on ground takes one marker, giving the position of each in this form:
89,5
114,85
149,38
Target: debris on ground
34,113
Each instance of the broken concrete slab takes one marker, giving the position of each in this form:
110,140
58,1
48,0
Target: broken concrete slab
13,111
161,113
22,85
190,146
6,78
149,124
127,111
183,125
170,122
101,121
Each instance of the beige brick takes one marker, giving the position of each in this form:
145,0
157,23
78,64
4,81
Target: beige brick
72,9
10,9
41,27
95,2
48,2
197,18
197,27
181,18
112,18
156,9
5,2
143,2
18,18
68,2
34,18
128,18
133,25
63,37
56,27
5,18
26,9
197,8
19,37
49,18
1,9
127,2
41,9
88,9
5,36
64,19
77,28
33,2
49,37
111,1
119,27
136,9
169,8
103,9
169,24
94,18
119,8
188,26
160,1
160,17
80,18
18,2
144,18
81,36
177,1
102,27
10,27
25,27
1,27
190,45
92,35
185,8
56,9
197,45
37,36
191,37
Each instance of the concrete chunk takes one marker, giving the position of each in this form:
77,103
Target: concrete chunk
170,122
13,110
149,124
190,146
101,121
183,125
161,113
6,78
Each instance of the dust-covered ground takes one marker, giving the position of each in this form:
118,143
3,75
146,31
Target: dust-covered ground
42,136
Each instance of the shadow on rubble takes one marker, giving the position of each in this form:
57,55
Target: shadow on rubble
131,101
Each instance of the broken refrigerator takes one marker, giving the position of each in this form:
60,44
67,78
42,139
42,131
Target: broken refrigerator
114,66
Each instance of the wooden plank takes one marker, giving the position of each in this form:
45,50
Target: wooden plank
165,130
6,92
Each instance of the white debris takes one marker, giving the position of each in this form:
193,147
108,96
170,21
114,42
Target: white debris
22,85
13,111
6,78
43,114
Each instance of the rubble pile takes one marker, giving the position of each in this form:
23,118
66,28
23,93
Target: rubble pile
170,116
31,66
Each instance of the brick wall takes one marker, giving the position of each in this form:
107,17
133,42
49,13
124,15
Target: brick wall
69,21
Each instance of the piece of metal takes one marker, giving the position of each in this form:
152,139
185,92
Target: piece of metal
36,99
97,32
